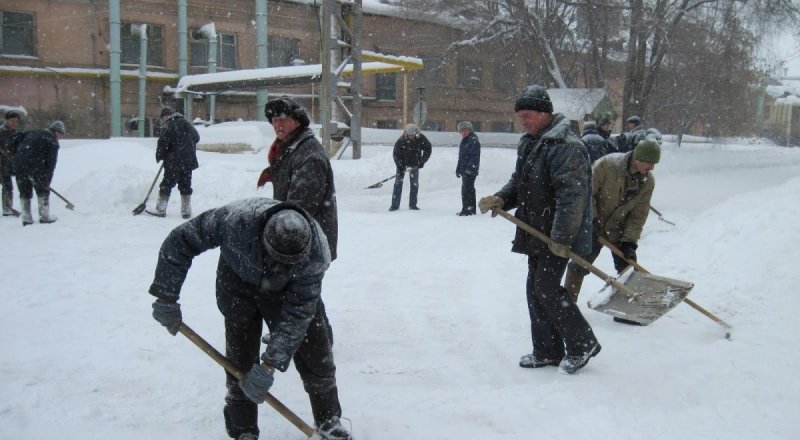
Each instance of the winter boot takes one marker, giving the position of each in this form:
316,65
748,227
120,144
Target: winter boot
247,436
8,200
572,363
186,206
531,361
27,217
161,206
332,429
573,282
44,210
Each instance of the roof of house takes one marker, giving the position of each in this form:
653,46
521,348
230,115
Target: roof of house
575,103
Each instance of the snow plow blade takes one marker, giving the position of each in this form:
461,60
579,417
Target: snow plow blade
654,297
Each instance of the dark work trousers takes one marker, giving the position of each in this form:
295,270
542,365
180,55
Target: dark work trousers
468,193
40,184
172,177
397,194
556,322
245,310
5,181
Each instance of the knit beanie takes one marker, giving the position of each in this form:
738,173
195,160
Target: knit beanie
647,150
287,107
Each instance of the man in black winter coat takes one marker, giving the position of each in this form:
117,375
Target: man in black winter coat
177,147
469,162
34,165
9,138
410,153
629,140
551,189
273,256
596,145
299,168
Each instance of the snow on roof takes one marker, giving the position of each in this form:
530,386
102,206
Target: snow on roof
575,103
786,87
76,71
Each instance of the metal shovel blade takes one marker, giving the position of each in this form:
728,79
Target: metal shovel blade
655,296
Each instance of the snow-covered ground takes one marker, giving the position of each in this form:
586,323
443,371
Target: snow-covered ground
428,309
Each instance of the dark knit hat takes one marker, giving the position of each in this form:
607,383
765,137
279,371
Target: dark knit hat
647,150
534,98
411,129
287,236
635,120
58,126
12,114
287,107
167,111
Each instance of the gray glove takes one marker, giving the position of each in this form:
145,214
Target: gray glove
488,203
558,249
256,383
168,314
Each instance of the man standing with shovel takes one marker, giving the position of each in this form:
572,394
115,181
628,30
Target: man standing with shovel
550,188
622,187
273,257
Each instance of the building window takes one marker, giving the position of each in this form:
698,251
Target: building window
434,71
18,33
130,44
433,126
386,123
282,51
504,76
386,86
469,74
226,51
502,127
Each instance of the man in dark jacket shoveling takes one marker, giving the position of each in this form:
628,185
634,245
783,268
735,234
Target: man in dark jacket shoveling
34,165
177,147
550,189
273,257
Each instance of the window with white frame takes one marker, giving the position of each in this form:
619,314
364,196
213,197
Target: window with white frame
17,33
129,42
226,51
281,51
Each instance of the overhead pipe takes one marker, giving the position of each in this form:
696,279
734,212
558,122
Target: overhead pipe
142,31
115,81
262,96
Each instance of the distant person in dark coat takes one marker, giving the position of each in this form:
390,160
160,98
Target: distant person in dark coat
550,189
9,138
411,151
469,162
596,145
34,165
299,168
272,259
628,141
177,147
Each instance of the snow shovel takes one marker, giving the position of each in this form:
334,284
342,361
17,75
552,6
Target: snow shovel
638,299
661,217
228,366
616,251
139,209
380,184
69,206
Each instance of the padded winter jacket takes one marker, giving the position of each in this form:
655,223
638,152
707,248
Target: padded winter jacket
628,141
237,230
411,153
8,140
551,189
36,155
620,197
469,155
302,174
596,144
177,145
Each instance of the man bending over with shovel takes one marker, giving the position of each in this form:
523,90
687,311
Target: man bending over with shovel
550,188
273,256
622,186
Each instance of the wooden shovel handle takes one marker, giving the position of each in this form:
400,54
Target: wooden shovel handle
616,251
230,368
575,257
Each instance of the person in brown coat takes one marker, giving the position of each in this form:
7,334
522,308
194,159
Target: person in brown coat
622,186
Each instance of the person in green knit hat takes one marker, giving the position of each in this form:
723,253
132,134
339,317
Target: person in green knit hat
622,186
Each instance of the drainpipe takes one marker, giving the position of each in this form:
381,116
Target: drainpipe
183,40
209,32
262,96
115,83
142,31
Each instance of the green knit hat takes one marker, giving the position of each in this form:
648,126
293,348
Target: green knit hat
647,150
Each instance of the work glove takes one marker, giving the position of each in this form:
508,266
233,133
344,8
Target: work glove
266,176
629,250
168,314
558,249
256,383
486,204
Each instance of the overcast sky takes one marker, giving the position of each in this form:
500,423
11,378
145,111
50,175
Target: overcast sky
787,48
